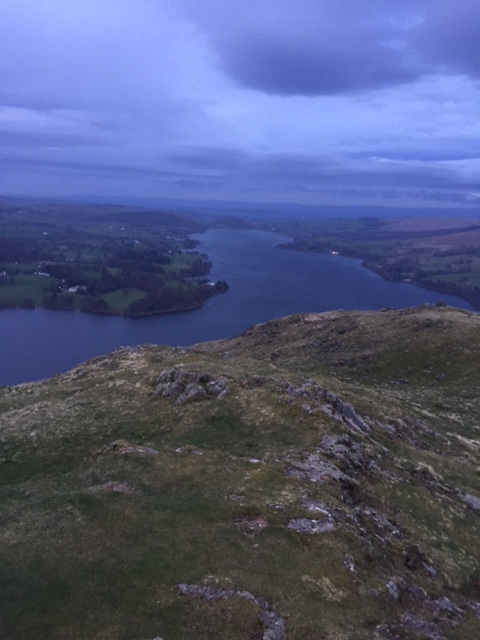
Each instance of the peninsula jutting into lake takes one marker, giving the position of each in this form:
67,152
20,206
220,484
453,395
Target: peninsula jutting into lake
105,260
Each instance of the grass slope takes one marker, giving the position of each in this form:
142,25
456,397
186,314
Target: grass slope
317,477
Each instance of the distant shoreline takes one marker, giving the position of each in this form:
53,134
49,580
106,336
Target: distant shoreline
383,273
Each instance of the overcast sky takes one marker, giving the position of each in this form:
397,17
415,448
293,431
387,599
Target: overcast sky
301,101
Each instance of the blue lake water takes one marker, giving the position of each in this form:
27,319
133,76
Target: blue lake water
265,282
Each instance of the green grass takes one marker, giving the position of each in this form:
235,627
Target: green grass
228,433
119,301
26,286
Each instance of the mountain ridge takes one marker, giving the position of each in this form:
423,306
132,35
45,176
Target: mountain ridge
317,476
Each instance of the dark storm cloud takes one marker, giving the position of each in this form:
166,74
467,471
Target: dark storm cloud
450,36
334,47
317,48
286,66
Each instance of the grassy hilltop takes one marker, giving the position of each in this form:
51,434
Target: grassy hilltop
316,477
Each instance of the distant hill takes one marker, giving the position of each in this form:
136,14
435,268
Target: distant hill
267,211
315,477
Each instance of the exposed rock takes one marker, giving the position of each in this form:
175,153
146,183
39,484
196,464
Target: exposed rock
307,408
382,524
306,390
316,506
217,388
447,607
409,430
417,592
304,525
414,558
392,590
272,623
350,455
314,469
410,626
349,562
342,411
205,592
389,428
189,450
419,425
185,386
425,619
340,516
191,391
345,412
471,501
359,519
251,525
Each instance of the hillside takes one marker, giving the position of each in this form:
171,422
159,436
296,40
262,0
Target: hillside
316,477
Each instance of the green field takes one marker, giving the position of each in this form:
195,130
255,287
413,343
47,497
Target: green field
26,287
119,300
119,261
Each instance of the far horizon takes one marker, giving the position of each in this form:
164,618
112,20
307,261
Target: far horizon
247,208
299,103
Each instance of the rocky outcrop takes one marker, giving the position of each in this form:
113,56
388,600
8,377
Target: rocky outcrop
184,386
348,454
421,616
305,525
272,623
348,459
314,469
345,413
333,406
471,501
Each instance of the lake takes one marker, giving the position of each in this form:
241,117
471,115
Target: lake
265,282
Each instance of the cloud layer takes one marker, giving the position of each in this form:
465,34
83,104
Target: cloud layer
336,102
